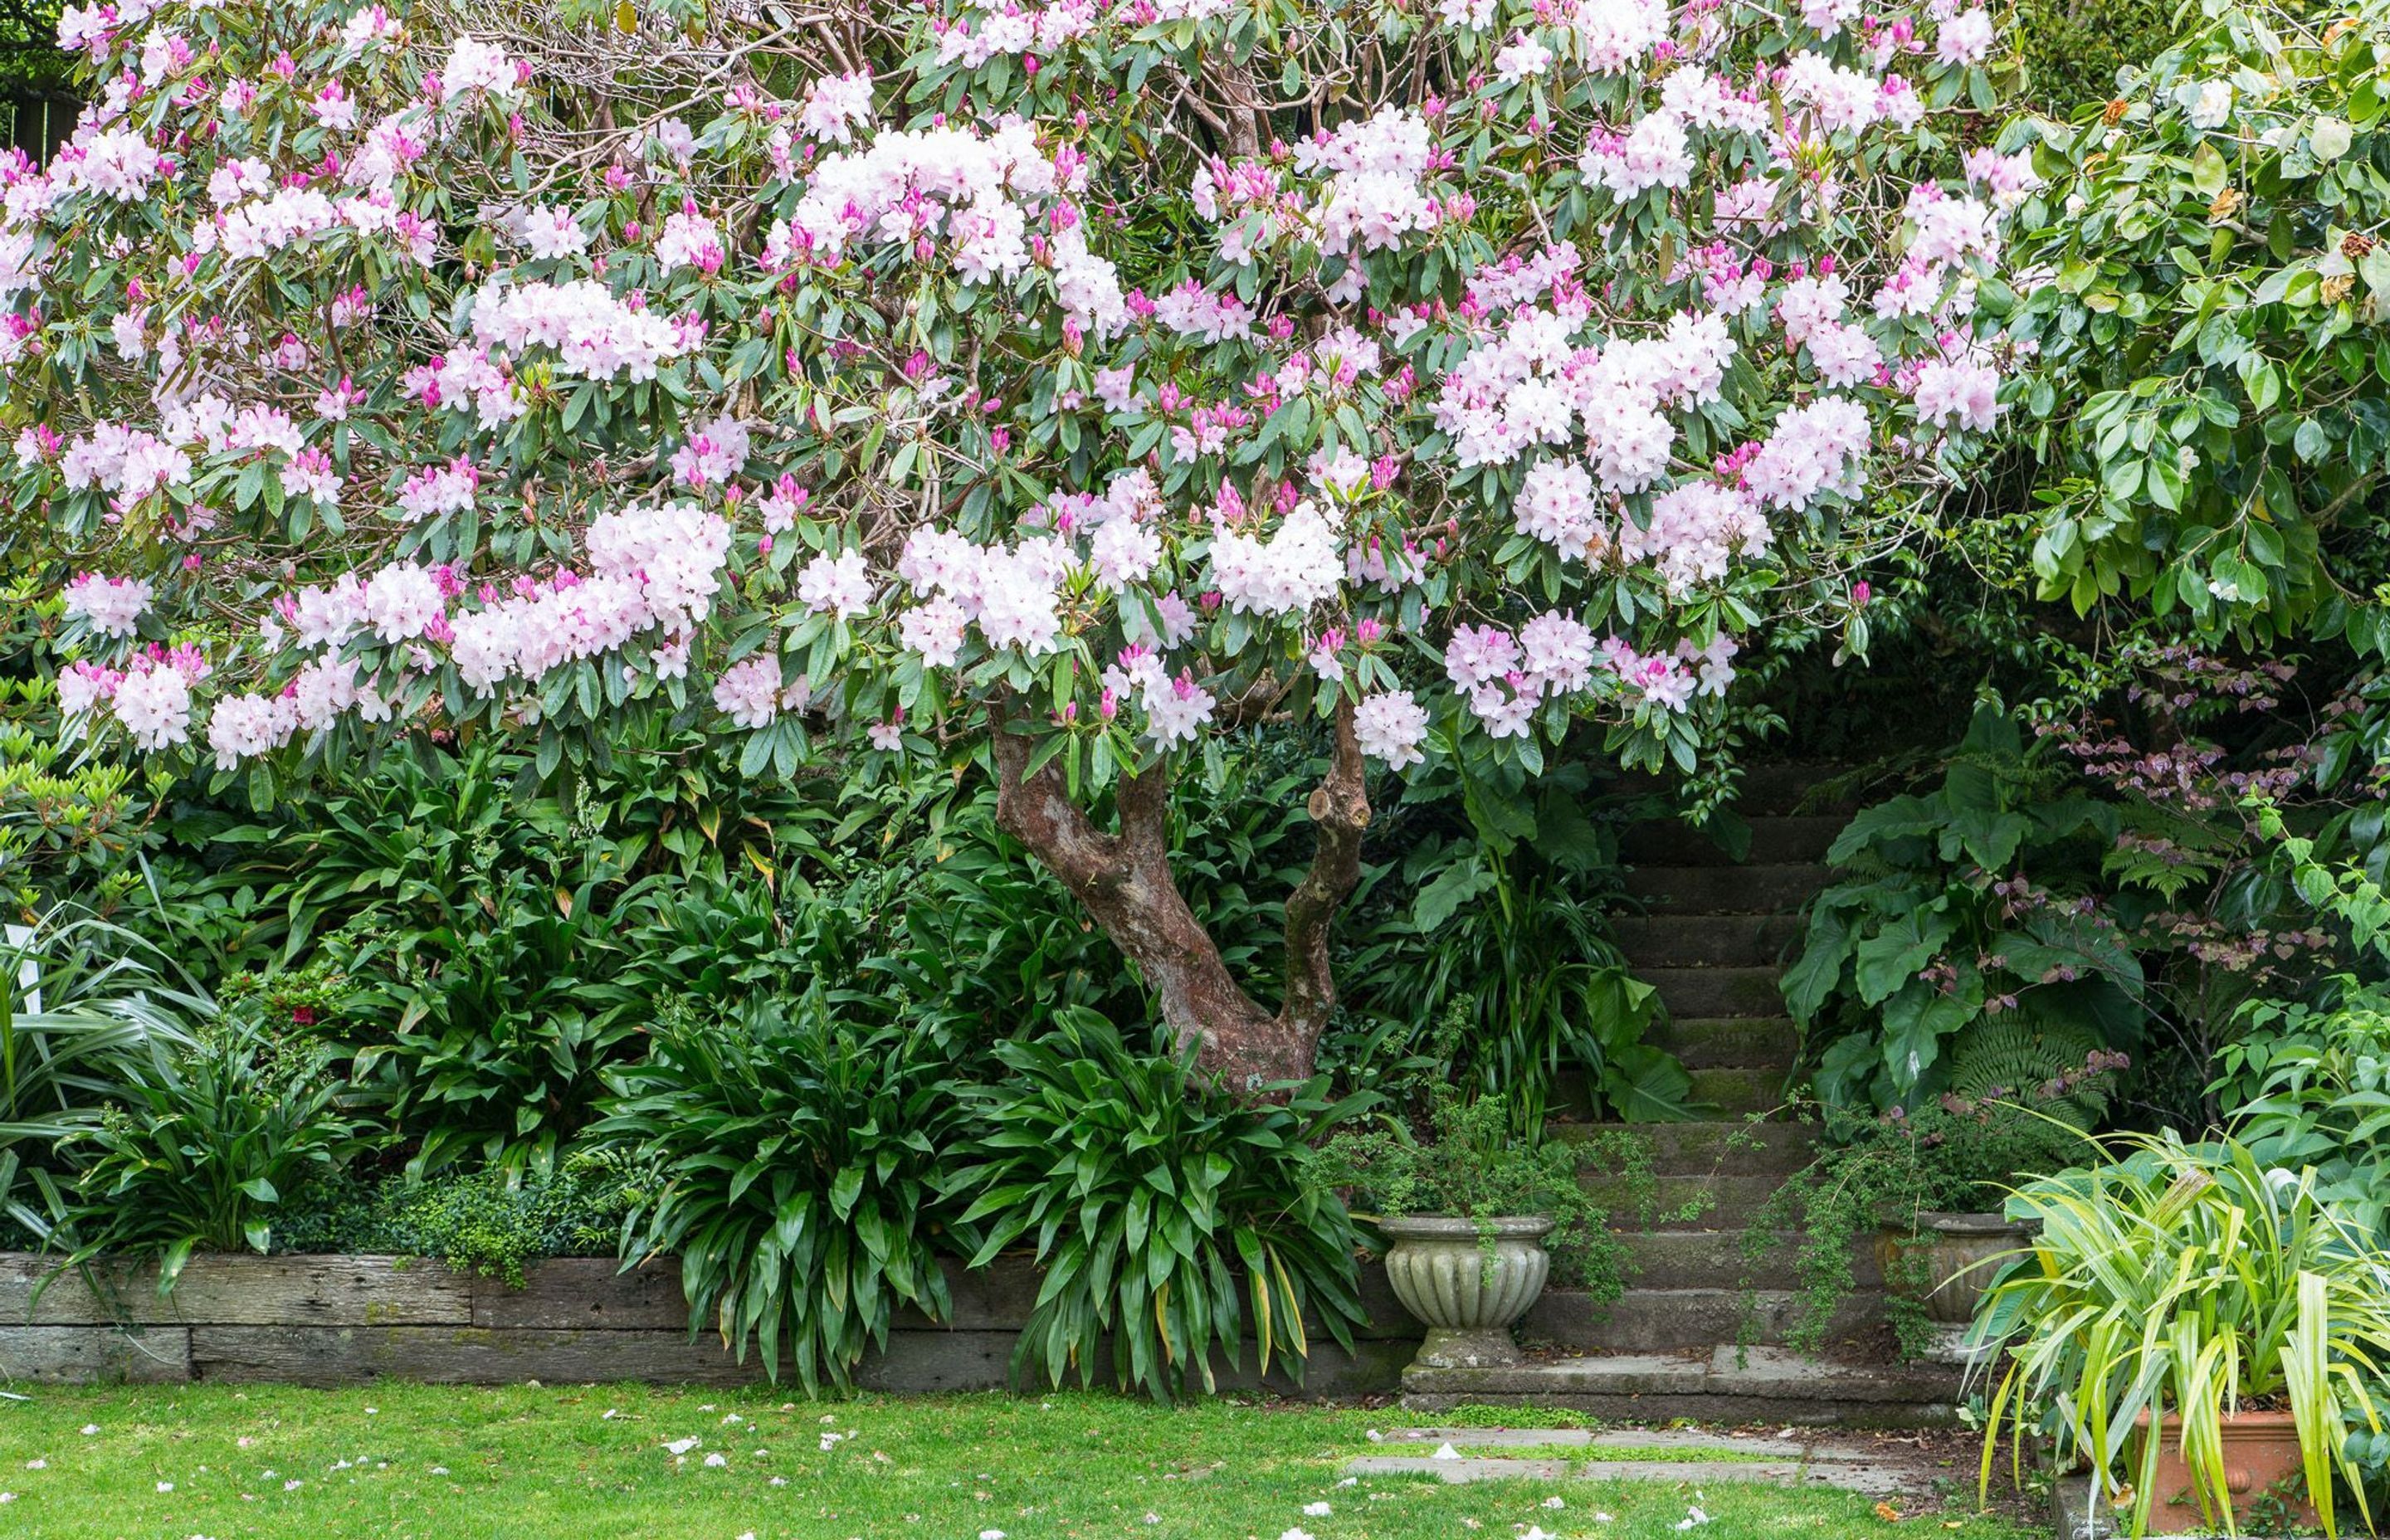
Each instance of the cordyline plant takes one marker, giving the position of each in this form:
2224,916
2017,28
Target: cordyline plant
1047,388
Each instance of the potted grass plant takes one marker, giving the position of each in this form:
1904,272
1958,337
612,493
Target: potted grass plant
2199,1329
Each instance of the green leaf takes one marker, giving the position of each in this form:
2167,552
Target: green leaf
1915,1022
1890,960
1454,886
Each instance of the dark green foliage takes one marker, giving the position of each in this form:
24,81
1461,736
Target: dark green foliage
203,1150
2016,1054
1168,1216
1540,989
1878,1175
801,1159
1484,956
2312,1086
1931,931
2071,49
492,1035
493,1222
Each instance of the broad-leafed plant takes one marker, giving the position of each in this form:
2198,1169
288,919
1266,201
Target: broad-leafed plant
87,1011
1954,907
803,1158
2209,287
202,1152
1171,1220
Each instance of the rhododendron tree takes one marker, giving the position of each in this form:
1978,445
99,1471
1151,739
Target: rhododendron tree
1047,387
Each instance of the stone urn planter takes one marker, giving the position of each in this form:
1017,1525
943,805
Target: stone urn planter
1468,1280
1949,1262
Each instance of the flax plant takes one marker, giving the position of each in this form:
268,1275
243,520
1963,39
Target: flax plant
2187,1282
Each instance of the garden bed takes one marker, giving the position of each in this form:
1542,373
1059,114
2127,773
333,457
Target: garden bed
334,1320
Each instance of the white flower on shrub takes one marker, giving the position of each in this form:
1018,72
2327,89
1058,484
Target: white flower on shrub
2208,104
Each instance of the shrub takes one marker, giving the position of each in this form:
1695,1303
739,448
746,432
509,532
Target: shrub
2071,49
800,1157
1934,932
1168,1215
202,1149
1954,1154
2311,1084
493,1221
1540,990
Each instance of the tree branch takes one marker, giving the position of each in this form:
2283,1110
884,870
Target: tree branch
1340,807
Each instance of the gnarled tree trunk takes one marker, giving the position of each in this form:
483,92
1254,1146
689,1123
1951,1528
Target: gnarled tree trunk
1124,879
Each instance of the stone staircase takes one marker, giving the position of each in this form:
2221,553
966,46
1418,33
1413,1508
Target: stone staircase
1713,936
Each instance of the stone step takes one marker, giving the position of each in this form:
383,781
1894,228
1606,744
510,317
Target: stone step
1715,1042
1702,992
1697,1147
1773,840
1706,940
1716,1201
1739,1088
1646,1319
1692,1259
1761,1384
1775,888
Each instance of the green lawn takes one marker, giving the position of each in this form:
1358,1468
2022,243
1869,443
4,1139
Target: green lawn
586,1463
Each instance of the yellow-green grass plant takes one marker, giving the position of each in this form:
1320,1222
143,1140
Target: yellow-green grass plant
2187,1281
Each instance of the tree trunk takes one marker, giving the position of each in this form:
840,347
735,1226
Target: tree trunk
1123,879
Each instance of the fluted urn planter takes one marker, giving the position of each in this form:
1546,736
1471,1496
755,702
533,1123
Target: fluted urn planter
1948,1262
1466,1280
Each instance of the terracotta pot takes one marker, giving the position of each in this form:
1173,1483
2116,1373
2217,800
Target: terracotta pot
1963,1254
1466,1280
2261,1454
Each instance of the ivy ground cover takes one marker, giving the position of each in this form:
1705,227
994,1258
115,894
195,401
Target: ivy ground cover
599,1461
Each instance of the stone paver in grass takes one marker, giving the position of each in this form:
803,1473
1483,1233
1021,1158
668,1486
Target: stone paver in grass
1632,1453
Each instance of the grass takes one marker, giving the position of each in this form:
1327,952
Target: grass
590,1462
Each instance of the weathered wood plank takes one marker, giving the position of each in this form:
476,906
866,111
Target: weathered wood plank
126,1294
95,1354
582,1293
919,1362
574,1293
459,1356
321,1290
244,1291
338,1320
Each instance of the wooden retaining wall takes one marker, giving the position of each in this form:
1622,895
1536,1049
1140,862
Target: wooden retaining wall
338,1320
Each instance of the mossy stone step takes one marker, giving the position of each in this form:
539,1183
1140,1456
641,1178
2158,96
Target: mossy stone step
1665,1260
1771,889
1700,1147
1715,1201
1776,838
1705,992
1744,1088
1645,1320
1706,940
1761,1384
1715,1042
